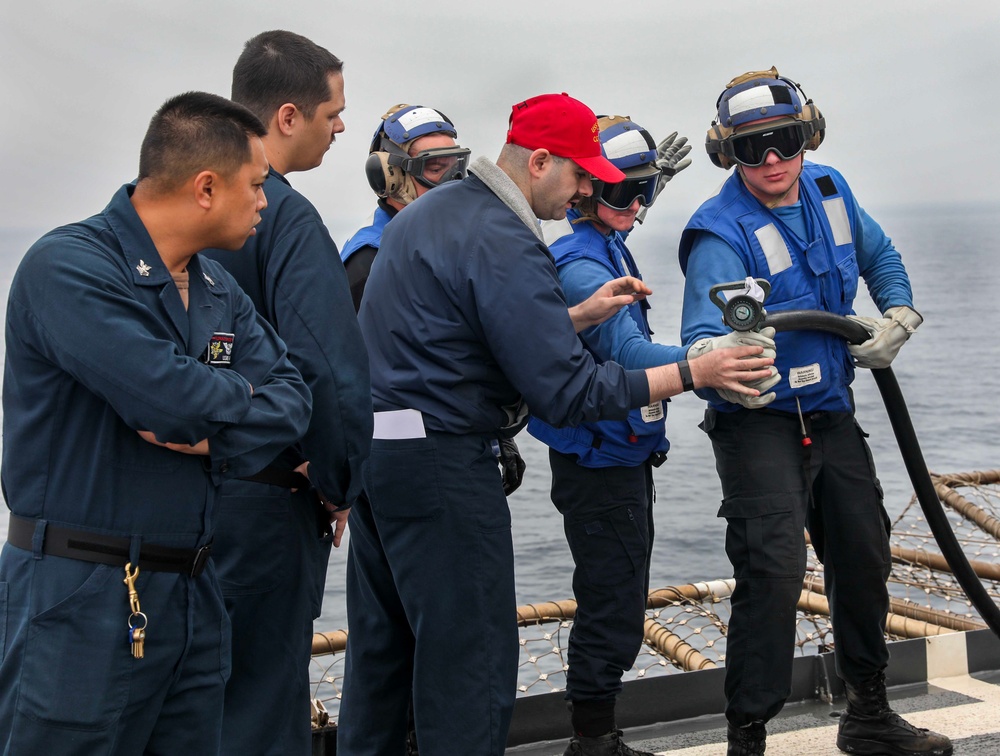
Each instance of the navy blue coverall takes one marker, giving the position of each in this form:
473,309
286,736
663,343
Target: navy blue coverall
100,346
463,314
269,550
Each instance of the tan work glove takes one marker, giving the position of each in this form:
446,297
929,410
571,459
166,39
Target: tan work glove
888,336
763,338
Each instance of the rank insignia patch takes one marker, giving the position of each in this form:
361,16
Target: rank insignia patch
220,349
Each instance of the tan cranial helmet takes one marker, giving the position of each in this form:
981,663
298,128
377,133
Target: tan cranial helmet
630,149
764,96
390,169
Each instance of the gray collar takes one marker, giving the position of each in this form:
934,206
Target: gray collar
504,188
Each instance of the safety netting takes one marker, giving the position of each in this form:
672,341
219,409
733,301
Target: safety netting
685,626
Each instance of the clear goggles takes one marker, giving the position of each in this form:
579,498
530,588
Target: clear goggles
436,166
751,150
622,195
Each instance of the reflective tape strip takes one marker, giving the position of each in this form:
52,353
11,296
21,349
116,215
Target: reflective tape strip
754,98
554,230
625,144
413,119
836,214
775,249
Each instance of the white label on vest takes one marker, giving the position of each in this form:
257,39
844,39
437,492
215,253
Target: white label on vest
774,248
652,413
804,376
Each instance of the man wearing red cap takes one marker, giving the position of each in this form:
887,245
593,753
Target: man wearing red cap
466,326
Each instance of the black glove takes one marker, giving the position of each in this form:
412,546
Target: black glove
511,466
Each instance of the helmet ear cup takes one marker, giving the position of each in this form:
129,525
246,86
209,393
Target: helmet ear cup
387,178
811,114
384,178
376,167
714,140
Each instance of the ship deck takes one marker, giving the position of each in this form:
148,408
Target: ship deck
949,683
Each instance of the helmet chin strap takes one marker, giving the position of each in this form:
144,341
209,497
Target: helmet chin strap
407,192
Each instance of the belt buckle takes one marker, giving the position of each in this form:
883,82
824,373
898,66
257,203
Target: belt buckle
201,559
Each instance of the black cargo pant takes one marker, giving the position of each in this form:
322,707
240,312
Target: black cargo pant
608,519
767,477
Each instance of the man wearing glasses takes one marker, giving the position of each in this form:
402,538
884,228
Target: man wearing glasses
803,462
602,480
413,151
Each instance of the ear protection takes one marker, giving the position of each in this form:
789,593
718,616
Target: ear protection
756,95
714,140
385,176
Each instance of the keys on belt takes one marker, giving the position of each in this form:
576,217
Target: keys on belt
137,621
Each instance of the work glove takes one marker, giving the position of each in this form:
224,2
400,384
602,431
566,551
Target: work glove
888,335
670,159
511,466
763,338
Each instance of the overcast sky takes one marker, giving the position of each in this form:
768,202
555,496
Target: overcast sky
908,88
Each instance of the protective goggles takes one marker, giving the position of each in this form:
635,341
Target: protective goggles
435,166
620,196
751,149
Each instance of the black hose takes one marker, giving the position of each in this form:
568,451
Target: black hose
913,458
817,320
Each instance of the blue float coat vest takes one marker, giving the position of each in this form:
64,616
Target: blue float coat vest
369,236
608,443
819,273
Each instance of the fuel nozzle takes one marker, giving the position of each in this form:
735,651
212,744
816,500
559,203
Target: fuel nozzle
742,303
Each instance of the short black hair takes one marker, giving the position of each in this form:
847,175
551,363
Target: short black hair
193,132
279,66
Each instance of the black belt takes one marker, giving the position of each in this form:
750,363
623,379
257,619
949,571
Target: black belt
275,476
104,549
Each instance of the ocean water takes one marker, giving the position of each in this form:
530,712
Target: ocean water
949,374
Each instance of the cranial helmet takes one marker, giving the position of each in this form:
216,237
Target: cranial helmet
758,95
631,149
390,168
627,145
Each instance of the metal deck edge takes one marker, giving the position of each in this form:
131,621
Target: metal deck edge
682,696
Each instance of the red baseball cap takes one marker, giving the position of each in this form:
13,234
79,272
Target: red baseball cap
565,127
